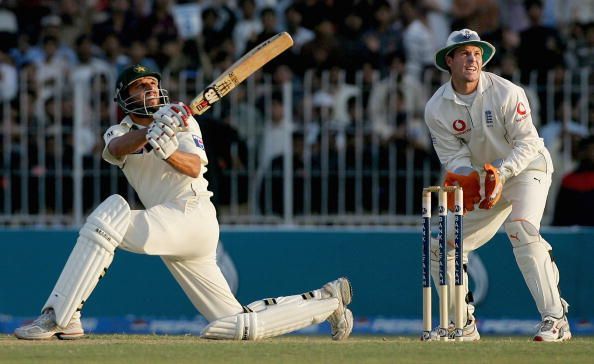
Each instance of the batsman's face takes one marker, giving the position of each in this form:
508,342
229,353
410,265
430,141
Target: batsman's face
145,89
466,63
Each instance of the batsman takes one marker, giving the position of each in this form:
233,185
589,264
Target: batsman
158,146
483,133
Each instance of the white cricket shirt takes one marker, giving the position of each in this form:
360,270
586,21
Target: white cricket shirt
152,178
497,125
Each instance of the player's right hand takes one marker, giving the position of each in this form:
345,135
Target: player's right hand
162,139
470,184
175,116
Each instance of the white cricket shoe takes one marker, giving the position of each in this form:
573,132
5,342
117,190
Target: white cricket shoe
469,332
553,329
341,320
45,327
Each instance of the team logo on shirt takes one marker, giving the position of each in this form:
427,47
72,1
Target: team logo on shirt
489,118
521,111
460,127
198,141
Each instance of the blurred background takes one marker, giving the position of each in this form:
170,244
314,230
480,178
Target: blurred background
329,137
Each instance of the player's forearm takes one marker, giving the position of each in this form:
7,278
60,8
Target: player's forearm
186,163
127,143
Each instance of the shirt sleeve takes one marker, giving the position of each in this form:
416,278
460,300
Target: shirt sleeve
526,144
112,133
451,150
192,142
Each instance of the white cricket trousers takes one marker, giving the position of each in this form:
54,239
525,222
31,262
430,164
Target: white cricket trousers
524,197
185,234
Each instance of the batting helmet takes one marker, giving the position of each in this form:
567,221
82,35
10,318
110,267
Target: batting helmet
130,104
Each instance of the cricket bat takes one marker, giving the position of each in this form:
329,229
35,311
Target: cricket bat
240,70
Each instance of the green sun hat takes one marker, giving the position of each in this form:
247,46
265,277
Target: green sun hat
463,37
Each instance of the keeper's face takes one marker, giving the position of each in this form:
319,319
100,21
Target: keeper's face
465,63
145,90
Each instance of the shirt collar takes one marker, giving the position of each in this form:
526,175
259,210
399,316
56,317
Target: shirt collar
483,84
127,121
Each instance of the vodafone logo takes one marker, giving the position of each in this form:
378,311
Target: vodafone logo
521,109
459,125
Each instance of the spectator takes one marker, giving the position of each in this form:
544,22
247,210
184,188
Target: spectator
300,34
417,37
247,28
52,71
113,53
577,190
8,28
393,98
439,20
159,23
51,26
86,58
75,19
139,55
322,52
26,52
8,79
272,144
540,47
119,20
218,24
482,15
354,48
384,37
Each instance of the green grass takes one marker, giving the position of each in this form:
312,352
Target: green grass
149,349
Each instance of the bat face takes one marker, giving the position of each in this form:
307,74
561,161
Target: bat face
240,70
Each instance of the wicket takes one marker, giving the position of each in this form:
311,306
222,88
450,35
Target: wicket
442,197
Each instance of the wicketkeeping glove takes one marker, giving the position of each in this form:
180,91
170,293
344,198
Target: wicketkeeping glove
175,116
162,139
494,181
470,186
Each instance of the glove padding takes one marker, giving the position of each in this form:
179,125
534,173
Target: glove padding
470,186
162,139
493,186
175,116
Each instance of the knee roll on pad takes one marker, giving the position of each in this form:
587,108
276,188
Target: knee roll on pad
274,320
103,231
522,232
533,255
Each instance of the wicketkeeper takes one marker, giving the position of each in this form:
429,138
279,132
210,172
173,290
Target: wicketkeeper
483,133
159,148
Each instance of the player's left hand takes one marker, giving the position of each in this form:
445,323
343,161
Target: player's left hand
175,116
162,139
493,185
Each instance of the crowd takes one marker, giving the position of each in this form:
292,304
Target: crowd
47,44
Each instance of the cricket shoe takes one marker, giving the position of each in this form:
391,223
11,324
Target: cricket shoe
553,329
45,327
341,320
469,332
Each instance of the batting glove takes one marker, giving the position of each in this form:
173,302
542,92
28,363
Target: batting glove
162,139
175,116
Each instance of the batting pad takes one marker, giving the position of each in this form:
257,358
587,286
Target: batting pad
450,279
103,231
275,320
533,255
